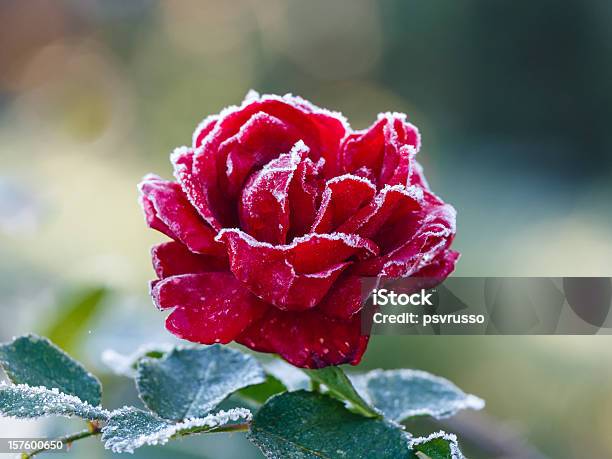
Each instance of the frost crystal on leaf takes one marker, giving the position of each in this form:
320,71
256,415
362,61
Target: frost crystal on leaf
36,361
419,443
130,428
189,383
401,394
27,402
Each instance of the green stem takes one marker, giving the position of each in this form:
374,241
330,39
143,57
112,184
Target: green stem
243,427
315,386
67,440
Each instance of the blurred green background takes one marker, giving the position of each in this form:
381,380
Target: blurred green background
513,99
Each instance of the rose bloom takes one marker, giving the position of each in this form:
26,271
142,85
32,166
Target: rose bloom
278,210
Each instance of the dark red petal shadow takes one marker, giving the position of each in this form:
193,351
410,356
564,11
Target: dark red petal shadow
307,339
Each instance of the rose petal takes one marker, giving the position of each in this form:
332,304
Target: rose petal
203,129
433,235
439,268
264,204
180,220
386,149
209,307
307,339
342,197
294,276
344,299
392,204
262,138
172,258
151,217
304,194
270,123
202,189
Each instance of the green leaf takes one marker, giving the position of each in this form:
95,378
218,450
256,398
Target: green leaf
340,387
188,383
67,325
130,428
259,393
401,394
35,361
23,401
439,445
307,425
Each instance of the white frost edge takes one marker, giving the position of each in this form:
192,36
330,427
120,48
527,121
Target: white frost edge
72,401
253,96
162,436
468,401
351,240
449,437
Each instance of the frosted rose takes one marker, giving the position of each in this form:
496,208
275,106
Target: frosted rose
277,210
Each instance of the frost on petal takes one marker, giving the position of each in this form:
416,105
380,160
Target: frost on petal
261,122
261,139
439,268
393,205
307,339
294,276
165,201
203,129
209,307
432,236
172,258
342,197
201,189
385,149
304,195
264,209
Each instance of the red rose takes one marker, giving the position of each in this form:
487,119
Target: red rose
278,209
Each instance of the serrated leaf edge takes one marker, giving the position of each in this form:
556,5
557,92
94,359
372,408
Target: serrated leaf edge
35,337
69,399
469,401
175,350
449,437
163,435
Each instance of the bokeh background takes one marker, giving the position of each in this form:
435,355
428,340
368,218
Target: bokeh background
514,102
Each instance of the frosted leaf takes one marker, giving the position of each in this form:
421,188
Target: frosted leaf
27,402
36,361
125,365
130,428
438,444
308,425
401,394
187,383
